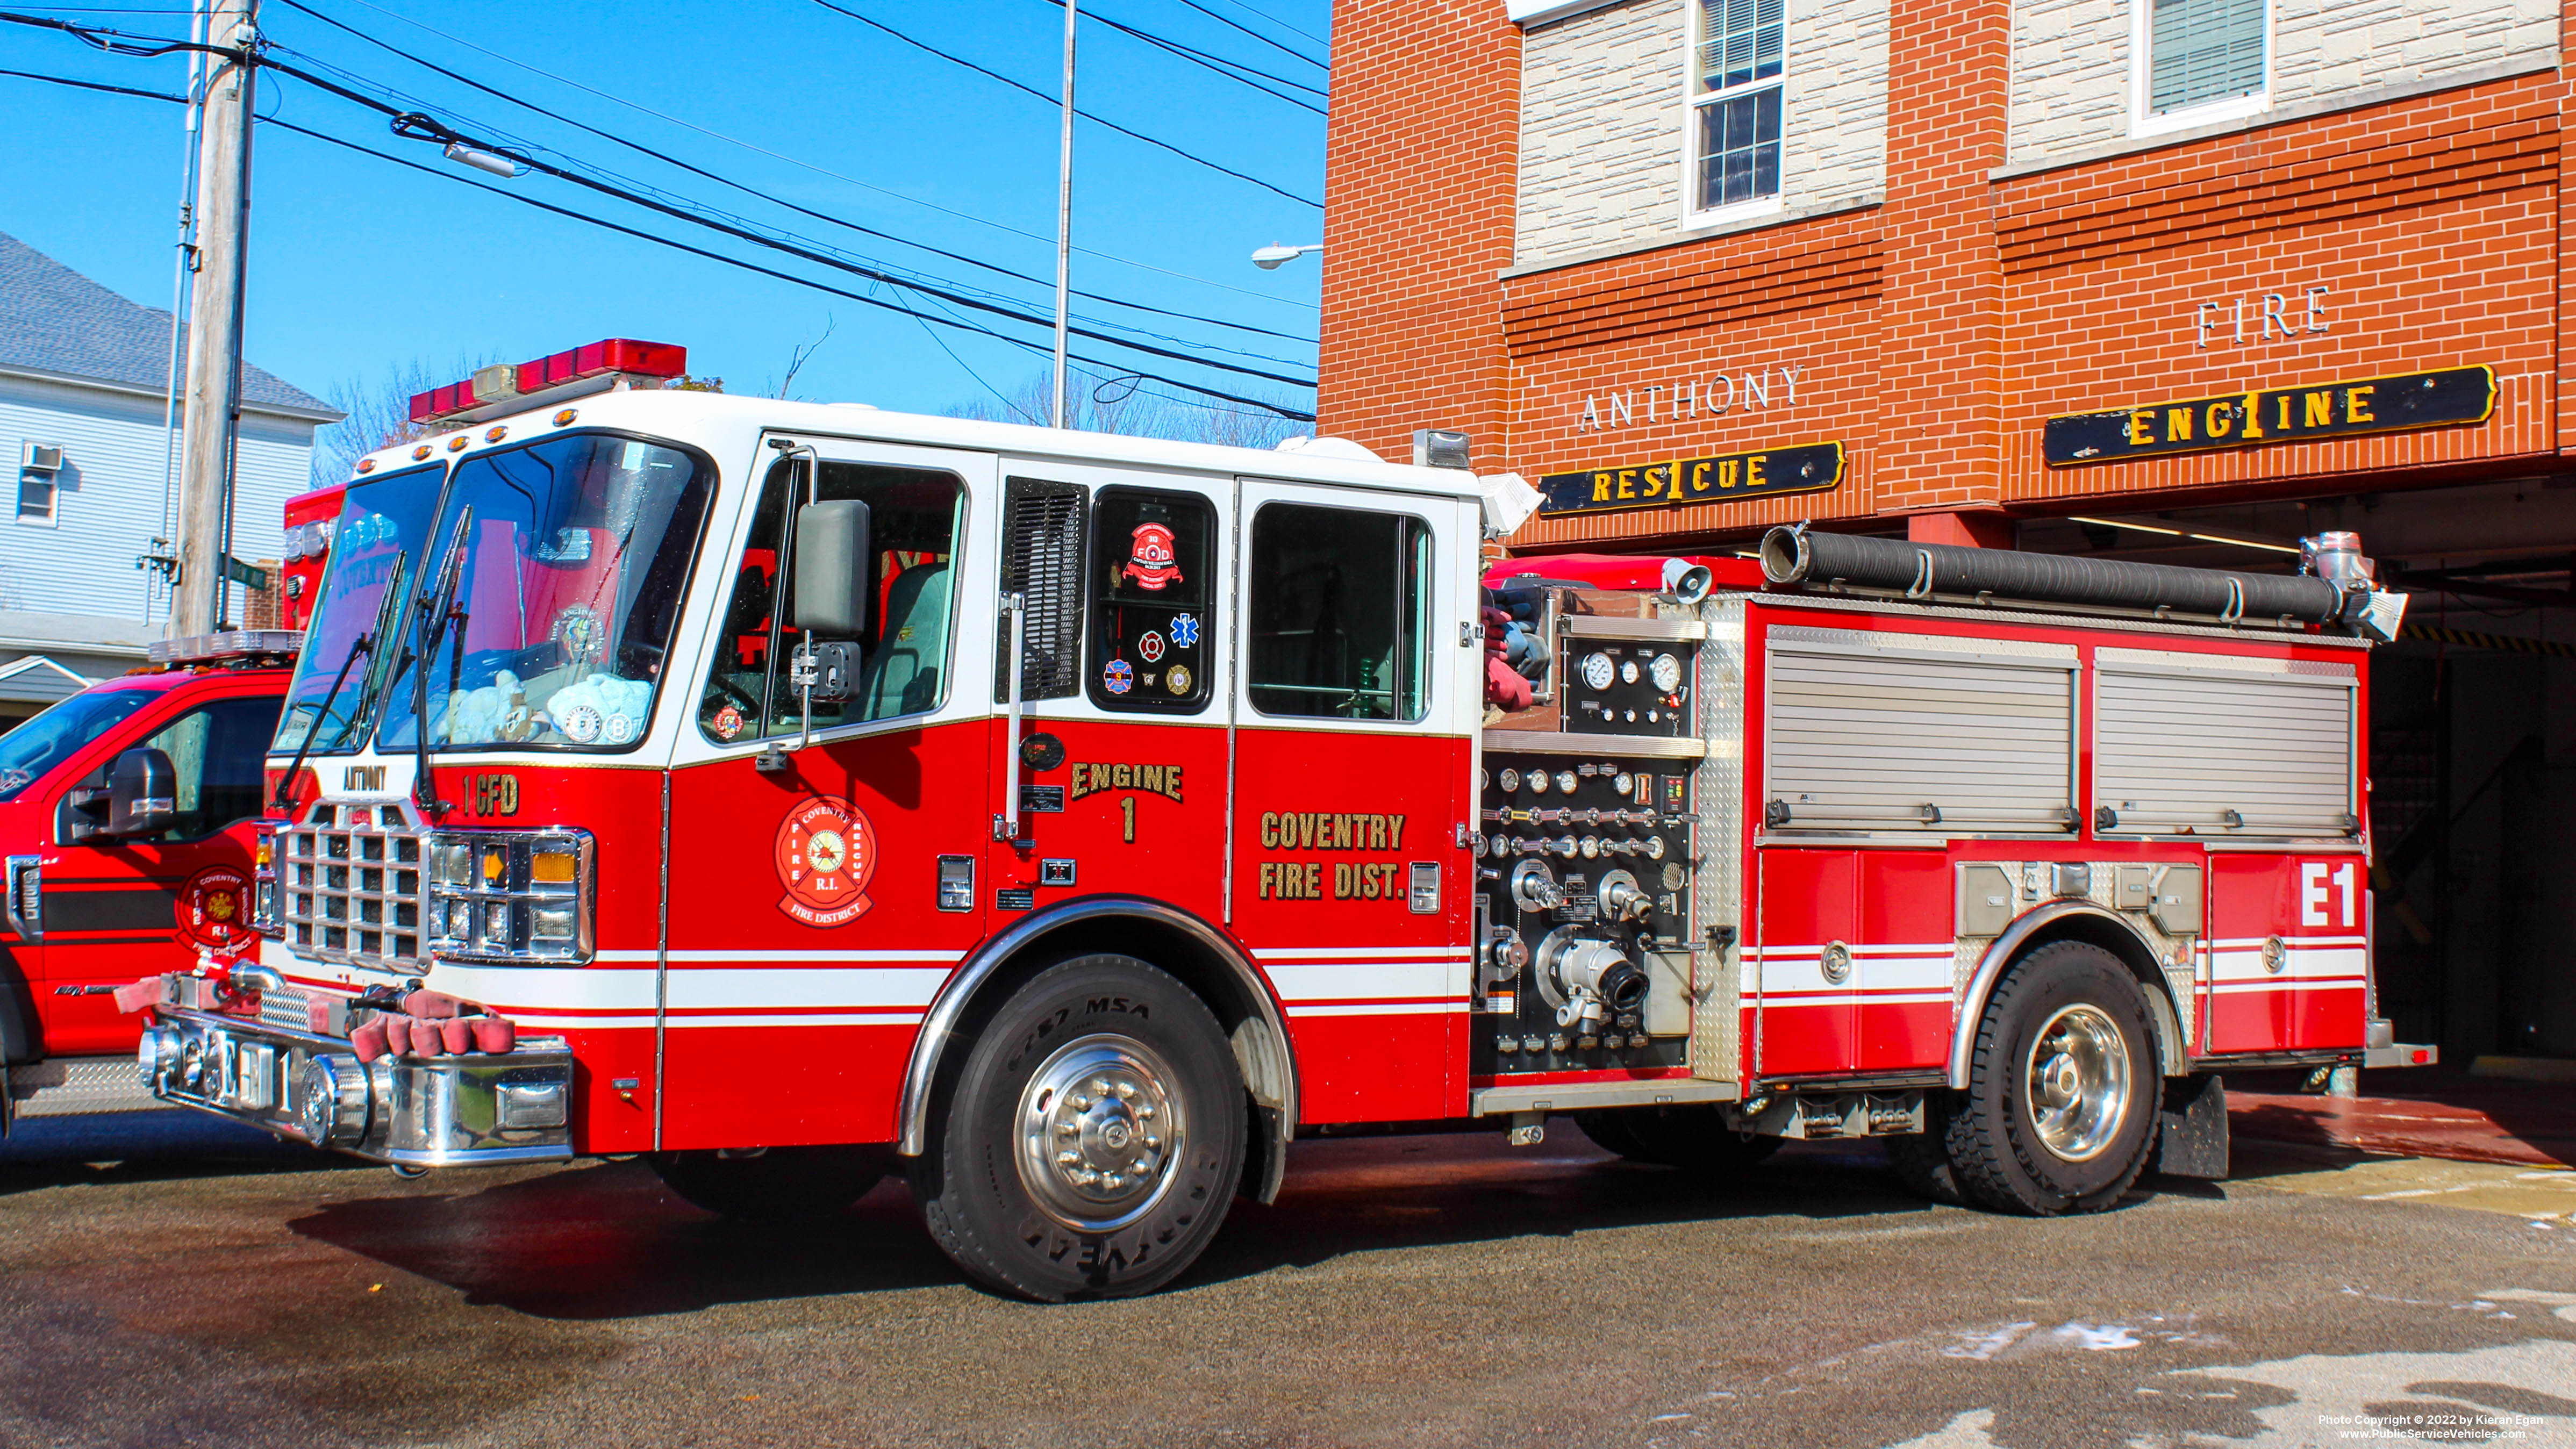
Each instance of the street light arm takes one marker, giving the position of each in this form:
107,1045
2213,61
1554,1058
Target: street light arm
1270,257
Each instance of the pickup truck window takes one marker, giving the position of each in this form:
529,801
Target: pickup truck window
54,736
216,751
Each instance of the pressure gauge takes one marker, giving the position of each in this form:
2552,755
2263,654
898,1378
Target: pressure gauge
1628,672
1510,780
1597,670
1591,846
1668,672
1565,781
1626,784
1538,782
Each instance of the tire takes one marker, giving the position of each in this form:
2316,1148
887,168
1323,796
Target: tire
1921,1161
2063,1088
1695,1139
994,1182
782,1185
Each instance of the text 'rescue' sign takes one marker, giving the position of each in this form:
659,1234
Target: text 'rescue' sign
2447,398
1804,468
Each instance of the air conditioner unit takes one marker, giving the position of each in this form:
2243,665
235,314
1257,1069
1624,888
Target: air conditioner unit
42,458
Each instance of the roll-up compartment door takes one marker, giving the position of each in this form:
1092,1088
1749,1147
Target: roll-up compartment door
1868,731
2225,745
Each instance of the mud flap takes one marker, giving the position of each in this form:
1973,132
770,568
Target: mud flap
2193,1139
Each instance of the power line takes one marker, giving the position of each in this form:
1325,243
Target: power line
676,245
1250,9
416,126
1288,51
823,171
671,160
1208,61
1052,100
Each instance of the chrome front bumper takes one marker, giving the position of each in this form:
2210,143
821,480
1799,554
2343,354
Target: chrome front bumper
435,1112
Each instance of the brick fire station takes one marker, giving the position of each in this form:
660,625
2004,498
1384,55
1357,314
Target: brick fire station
2180,280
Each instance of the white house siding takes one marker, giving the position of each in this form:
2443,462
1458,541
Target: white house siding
110,502
2070,76
1604,134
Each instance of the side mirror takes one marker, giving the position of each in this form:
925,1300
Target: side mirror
833,555
142,793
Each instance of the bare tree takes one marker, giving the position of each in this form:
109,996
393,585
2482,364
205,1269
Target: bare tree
799,355
1120,406
379,415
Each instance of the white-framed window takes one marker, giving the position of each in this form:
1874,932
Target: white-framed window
36,498
2194,62
1737,72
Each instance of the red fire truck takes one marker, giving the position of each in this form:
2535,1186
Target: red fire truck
92,902
1073,821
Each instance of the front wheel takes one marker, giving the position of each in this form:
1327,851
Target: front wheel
2063,1088
1091,1143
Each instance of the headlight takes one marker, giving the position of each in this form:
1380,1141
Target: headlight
511,896
263,894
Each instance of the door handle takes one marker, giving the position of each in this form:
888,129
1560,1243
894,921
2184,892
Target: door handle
27,897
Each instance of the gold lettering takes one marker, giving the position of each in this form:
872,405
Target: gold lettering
1345,885
1726,474
2142,427
1699,476
1600,487
1377,832
2285,412
1269,876
2356,405
1269,829
1149,778
1122,777
2177,425
1172,781
1627,482
2219,420
1395,832
2318,410
1753,469
2253,416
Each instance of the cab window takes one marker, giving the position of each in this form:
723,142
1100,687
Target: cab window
1338,616
1153,558
216,753
914,515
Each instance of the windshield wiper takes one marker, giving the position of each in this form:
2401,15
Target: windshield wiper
364,644
436,611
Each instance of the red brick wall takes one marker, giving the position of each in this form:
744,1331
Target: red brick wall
1936,331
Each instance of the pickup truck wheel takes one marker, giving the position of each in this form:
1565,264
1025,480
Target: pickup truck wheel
1695,1139
1091,1143
2063,1087
783,1184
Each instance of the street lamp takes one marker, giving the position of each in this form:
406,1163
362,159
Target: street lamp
1270,257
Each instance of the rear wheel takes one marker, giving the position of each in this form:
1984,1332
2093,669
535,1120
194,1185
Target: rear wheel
1696,1139
1091,1143
783,1184
2063,1086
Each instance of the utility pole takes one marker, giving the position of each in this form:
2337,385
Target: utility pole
210,419
1064,215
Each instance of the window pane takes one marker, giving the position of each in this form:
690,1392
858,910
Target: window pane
1740,41
2204,50
913,516
1739,148
1338,613
216,753
1152,554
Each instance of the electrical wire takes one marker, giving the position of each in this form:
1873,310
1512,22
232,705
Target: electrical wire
1057,101
1288,51
671,160
823,171
1250,9
1207,61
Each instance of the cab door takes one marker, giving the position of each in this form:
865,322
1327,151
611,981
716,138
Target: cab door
819,897
117,910
1354,737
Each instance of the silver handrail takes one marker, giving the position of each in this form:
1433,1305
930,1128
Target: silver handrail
1006,826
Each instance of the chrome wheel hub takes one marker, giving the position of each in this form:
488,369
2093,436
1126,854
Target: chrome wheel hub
2078,1082
1099,1131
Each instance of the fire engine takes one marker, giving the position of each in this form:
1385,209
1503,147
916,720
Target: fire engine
93,899
796,793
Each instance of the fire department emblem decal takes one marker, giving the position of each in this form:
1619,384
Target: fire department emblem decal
1185,630
1151,646
1118,676
214,908
1150,558
826,852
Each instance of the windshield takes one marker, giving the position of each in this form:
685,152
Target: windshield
383,527
573,574
54,736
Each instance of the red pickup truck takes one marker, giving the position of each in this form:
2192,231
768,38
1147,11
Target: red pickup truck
92,904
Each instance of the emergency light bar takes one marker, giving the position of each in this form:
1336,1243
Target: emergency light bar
230,644
507,387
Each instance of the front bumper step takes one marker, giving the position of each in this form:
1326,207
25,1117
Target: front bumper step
450,1111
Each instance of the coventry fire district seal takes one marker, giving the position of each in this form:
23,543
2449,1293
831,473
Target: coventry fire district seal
214,908
826,851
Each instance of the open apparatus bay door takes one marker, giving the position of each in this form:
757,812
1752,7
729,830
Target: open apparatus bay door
798,793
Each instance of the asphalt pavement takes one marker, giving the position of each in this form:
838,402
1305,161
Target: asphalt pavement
167,1282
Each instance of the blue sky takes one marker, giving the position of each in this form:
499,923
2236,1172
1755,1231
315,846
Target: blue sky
358,267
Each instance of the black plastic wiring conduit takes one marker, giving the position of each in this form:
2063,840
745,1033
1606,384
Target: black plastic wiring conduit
1920,570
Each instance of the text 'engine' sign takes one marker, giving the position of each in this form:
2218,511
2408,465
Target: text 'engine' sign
2448,398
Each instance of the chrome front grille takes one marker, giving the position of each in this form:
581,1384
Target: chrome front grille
352,885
